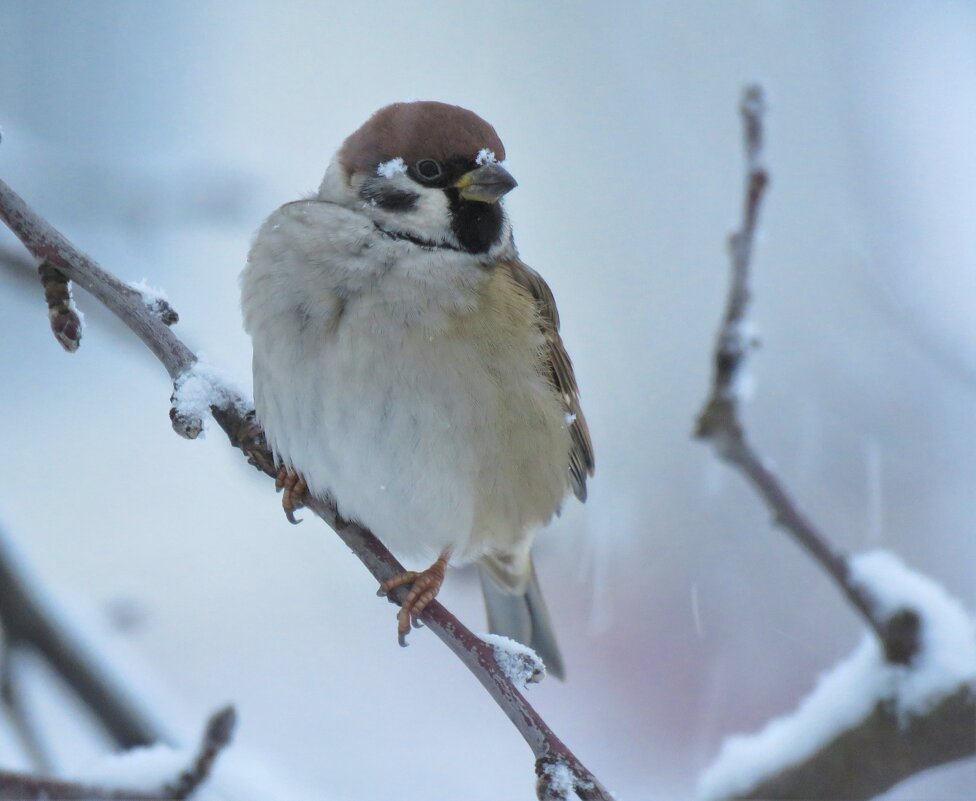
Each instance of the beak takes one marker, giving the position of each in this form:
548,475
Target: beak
486,184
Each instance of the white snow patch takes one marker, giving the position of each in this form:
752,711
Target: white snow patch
80,314
846,694
150,294
203,386
392,167
947,656
520,663
560,780
154,298
238,774
485,156
146,769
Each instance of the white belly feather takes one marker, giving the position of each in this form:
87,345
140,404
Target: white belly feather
395,401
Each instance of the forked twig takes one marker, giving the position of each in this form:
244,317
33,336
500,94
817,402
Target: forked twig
719,422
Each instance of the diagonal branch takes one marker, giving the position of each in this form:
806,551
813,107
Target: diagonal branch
886,747
28,623
235,417
719,422
12,699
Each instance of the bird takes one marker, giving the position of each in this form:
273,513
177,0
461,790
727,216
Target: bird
408,365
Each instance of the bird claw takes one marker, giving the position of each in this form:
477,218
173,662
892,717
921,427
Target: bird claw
424,587
295,489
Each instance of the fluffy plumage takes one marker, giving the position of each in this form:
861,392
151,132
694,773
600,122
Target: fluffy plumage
408,364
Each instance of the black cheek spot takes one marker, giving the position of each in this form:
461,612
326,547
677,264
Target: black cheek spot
389,197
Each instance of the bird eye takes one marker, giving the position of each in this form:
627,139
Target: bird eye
429,169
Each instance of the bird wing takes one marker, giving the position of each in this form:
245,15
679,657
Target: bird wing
559,370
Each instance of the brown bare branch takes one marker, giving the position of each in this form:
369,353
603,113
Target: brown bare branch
885,747
216,737
880,751
238,422
719,422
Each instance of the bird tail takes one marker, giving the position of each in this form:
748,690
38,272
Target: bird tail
516,609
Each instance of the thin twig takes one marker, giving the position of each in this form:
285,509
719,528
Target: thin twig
238,422
216,737
719,422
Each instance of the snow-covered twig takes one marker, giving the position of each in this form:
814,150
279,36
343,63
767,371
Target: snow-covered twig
521,664
238,422
906,700
720,425
216,737
889,720
156,301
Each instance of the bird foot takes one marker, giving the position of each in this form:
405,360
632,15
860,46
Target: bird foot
295,489
424,587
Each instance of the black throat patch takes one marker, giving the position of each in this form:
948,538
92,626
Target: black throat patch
477,226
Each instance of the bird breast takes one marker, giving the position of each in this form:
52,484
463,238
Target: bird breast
405,383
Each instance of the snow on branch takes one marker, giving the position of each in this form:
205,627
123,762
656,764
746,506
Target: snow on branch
866,710
905,700
234,416
156,301
198,390
719,422
157,773
521,664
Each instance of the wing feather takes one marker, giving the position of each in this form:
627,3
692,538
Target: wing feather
559,370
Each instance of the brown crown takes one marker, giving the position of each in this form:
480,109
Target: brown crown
422,129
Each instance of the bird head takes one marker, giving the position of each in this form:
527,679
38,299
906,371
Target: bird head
428,171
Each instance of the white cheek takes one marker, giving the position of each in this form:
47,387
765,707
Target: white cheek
431,216
429,220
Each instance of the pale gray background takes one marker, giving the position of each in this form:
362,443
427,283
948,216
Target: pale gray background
159,135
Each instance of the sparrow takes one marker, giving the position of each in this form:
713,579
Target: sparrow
408,365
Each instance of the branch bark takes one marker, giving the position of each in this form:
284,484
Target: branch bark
719,422
238,421
216,737
883,748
